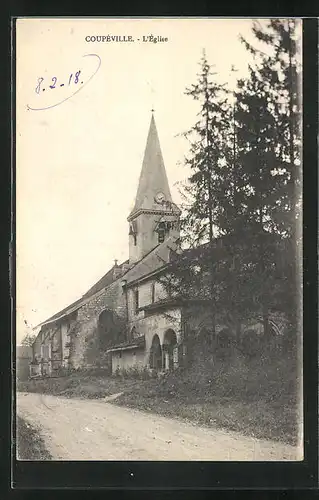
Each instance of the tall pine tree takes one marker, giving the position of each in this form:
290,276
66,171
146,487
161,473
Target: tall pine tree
207,159
208,154
243,191
268,157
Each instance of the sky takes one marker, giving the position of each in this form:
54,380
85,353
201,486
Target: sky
78,161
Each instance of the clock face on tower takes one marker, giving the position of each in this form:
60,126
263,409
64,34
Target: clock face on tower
160,197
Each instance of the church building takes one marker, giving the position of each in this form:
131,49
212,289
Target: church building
128,318
131,318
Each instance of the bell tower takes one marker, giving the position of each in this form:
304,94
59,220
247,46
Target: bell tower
154,217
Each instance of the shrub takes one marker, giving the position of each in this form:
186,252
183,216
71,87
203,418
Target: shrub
61,372
147,374
134,372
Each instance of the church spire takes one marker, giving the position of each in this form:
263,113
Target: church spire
153,179
155,217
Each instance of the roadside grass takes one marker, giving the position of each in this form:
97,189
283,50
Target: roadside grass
30,445
256,419
86,384
257,397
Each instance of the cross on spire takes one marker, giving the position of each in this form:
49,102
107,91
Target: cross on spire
152,95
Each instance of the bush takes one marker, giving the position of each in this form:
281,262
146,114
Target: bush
30,444
133,372
97,371
61,372
147,374
130,372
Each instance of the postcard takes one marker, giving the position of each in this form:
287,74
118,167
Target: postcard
158,239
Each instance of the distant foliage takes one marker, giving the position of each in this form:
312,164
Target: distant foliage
28,340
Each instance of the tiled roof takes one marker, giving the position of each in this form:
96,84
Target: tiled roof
106,280
70,307
137,343
153,179
154,260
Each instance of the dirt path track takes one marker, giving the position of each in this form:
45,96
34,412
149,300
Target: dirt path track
78,429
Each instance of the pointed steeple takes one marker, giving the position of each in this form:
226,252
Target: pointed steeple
153,178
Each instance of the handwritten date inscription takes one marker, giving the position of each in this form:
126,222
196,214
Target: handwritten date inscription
69,85
74,79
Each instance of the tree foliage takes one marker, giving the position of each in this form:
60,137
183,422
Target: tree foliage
244,188
207,155
28,340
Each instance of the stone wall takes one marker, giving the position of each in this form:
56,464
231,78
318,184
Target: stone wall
22,368
64,327
198,320
56,349
128,359
147,236
145,298
158,323
36,347
74,338
84,350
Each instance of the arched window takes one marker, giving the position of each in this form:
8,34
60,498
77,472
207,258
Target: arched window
153,292
133,232
170,349
161,232
156,354
136,301
133,333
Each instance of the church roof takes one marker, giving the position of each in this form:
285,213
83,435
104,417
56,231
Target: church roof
137,343
156,258
153,178
106,280
153,261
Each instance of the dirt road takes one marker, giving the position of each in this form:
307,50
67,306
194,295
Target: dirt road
78,429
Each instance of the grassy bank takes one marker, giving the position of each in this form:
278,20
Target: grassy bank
92,385
227,402
257,397
30,445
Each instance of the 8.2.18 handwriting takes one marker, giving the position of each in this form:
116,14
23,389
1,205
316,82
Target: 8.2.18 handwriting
73,79
69,87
